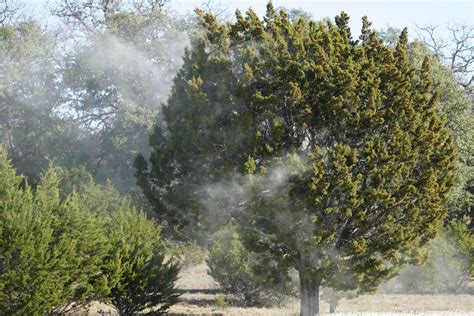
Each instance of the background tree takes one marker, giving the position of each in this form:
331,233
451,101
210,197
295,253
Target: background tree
456,104
455,51
30,124
87,92
9,12
92,16
117,75
348,162
448,269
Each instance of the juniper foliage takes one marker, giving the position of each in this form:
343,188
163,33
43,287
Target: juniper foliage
340,142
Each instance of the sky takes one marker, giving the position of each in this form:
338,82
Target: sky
382,13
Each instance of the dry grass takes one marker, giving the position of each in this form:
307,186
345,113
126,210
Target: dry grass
364,305
196,277
203,302
200,292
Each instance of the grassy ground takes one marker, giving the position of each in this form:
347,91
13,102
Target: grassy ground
200,293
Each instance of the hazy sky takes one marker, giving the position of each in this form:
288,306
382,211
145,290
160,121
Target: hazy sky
382,13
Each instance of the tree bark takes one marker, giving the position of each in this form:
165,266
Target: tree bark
309,296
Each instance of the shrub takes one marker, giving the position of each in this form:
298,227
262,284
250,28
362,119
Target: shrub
186,254
51,249
60,250
250,278
144,278
221,302
135,269
448,268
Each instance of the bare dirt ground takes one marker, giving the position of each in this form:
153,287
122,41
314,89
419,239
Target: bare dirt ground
200,292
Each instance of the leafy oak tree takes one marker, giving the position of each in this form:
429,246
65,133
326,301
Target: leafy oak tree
30,126
116,75
345,163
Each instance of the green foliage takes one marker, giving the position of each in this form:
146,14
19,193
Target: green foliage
186,254
448,269
145,279
221,302
116,96
51,248
30,128
241,273
100,199
463,237
60,250
349,164
88,93
135,270
456,105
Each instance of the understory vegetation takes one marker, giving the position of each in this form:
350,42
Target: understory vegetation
243,274
61,250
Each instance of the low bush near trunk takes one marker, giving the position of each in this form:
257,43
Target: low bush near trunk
250,279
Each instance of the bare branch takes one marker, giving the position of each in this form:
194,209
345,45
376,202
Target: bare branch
8,11
428,37
216,8
456,52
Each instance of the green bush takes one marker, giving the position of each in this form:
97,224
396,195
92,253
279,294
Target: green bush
186,254
136,272
51,248
221,302
145,279
250,278
448,268
60,250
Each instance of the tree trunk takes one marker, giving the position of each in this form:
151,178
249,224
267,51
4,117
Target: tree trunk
309,296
